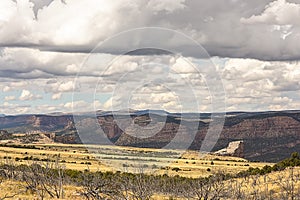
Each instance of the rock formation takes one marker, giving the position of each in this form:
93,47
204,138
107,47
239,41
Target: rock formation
266,136
235,149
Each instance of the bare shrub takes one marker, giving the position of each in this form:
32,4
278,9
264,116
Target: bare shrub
45,178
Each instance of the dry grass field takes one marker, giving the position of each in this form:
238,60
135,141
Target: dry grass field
115,158
174,163
277,184
15,190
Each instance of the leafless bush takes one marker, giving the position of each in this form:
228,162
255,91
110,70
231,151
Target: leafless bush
45,178
236,190
138,187
208,188
289,184
95,186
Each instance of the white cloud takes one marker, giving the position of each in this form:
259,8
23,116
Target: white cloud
6,9
278,12
243,30
259,85
108,105
33,63
66,87
283,100
13,85
6,89
26,95
78,27
14,109
166,5
57,86
9,98
249,85
122,65
81,106
56,96
20,110
48,108
15,14
75,104
260,75
182,66
285,106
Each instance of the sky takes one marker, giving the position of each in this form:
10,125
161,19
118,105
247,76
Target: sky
176,55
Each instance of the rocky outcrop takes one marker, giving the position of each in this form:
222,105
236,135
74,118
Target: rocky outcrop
37,122
58,128
235,149
266,136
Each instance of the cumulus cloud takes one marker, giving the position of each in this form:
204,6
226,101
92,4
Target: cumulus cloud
57,86
82,106
279,12
175,86
167,5
9,98
249,85
45,47
6,88
224,28
56,96
66,87
263,76
183,66
26,95
253,84
13,109
26,63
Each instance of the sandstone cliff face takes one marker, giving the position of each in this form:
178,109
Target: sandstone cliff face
266,128
37,122
110,128
268,136
235,149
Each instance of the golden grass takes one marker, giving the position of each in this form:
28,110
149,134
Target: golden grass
261,184
15,190
190,163
113,158
273,184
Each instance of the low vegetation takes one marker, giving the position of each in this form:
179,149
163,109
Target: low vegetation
293,161
48,180
171,162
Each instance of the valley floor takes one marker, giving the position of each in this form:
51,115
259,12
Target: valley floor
129,159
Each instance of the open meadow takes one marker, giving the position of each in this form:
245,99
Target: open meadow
129,159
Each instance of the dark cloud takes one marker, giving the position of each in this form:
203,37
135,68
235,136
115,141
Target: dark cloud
149,51
39,4
225,28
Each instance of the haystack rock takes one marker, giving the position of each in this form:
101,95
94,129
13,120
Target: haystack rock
235,149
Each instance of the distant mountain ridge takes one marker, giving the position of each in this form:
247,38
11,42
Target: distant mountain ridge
267,136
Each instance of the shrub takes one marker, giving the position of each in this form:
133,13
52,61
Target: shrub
176,169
